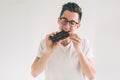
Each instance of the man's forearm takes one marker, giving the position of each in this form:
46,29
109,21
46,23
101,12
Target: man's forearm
39,65
87,65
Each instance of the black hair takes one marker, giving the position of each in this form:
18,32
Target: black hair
73,7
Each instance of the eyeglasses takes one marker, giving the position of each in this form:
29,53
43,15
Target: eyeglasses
64,21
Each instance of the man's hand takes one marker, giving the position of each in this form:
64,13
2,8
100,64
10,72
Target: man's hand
77,41
50,46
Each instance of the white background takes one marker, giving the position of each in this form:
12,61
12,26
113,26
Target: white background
23,23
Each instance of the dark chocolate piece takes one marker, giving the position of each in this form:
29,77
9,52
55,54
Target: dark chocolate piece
59,36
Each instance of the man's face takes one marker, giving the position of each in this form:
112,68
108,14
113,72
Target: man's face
69,21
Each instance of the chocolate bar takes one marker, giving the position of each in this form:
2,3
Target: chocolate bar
59,36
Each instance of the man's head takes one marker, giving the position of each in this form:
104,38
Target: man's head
73,7
71,13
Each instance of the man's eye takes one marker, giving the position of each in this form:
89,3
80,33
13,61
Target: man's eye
64,20
73,23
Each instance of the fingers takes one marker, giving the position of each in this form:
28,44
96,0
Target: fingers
74,37
48,39
56,43
51,34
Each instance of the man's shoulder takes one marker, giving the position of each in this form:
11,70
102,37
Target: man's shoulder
85,39
42,42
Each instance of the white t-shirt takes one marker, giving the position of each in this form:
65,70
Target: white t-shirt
64,63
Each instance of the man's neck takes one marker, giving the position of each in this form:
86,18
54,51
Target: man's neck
65,42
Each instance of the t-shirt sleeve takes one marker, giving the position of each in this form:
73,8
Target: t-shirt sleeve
87,49
41,48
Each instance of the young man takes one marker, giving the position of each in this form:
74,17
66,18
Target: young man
67,59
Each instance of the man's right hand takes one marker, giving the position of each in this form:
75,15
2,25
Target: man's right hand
50,46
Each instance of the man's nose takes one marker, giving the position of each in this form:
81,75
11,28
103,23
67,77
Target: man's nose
68,25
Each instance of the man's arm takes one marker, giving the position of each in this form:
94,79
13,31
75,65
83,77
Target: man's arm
87,65
39,64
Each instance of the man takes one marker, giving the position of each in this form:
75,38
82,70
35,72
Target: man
67,59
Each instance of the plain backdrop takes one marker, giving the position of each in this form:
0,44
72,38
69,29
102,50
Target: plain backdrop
23,23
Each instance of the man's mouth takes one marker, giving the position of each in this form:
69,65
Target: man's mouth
66,30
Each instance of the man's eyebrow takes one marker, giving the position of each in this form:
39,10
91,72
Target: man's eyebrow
64,18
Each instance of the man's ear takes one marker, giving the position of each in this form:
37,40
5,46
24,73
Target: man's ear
58,20
78,25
